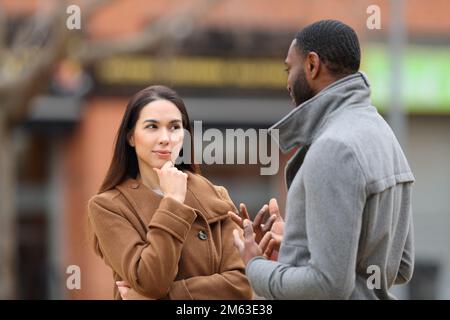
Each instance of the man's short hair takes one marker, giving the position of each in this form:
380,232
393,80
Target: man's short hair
335,43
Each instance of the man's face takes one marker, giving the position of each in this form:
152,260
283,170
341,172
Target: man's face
297,83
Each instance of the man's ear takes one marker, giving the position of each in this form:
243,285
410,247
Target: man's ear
313,65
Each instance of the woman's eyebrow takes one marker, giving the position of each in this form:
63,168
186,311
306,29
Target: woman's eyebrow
151,120
157,121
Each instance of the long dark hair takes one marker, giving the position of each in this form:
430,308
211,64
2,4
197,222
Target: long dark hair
124,162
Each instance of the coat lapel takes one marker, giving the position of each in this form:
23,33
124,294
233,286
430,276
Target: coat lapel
142,200
201,196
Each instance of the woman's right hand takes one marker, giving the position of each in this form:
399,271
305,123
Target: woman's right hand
173,182
128,293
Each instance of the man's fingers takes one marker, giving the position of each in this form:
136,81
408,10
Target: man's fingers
268,225
265,241
260,215
238,243
269,250
244,212
235,218
248,231
277,238
273,208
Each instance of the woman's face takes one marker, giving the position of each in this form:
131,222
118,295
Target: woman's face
158,134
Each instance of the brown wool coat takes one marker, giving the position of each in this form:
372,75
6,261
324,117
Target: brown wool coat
168,250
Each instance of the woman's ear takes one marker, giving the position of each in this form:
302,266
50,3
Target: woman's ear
130,139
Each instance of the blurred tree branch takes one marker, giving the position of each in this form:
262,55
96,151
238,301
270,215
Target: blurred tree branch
171,28
56,38
42,42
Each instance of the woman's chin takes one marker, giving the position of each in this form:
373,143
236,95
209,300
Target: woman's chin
159,163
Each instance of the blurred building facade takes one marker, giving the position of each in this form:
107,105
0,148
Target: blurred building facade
229,70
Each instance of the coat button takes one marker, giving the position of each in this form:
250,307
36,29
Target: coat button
202,235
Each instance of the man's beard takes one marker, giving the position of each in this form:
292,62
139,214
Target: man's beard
301,91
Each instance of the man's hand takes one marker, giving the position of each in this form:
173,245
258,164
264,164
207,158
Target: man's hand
278,225
261,226
270,245
248,248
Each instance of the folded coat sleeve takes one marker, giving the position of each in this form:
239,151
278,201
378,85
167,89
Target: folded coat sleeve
230,282
406,268
149,269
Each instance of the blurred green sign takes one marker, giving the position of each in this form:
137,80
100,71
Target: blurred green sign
426,80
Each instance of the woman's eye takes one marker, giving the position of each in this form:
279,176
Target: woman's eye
175,127
150,126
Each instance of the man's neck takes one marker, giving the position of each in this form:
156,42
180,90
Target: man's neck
327,80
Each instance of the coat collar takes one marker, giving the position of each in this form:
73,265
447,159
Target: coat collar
201,196
300,126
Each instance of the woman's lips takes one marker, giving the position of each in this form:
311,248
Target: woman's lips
162,153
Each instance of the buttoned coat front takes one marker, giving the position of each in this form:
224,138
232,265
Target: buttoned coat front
166,249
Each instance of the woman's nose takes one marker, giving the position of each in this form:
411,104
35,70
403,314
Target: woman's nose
164,137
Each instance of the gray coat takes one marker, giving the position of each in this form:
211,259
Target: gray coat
348,232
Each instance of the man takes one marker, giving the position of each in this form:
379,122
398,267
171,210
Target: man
348,231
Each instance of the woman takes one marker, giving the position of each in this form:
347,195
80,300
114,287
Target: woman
163,228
